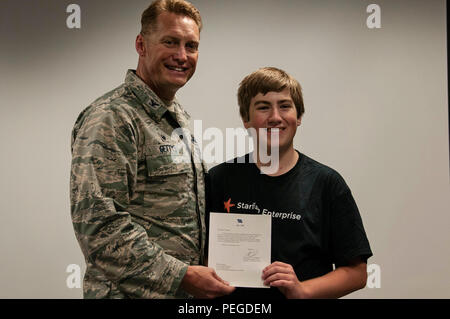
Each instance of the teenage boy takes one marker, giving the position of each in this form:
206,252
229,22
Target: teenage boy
315,221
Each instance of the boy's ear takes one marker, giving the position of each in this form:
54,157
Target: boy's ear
246,121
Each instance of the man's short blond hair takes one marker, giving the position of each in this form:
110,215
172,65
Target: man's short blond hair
264,80
180,7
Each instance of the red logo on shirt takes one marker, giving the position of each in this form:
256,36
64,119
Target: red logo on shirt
227,205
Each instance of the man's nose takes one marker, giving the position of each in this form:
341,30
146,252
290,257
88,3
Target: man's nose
180,55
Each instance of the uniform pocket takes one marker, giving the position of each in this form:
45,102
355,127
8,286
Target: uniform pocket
166,160
169,181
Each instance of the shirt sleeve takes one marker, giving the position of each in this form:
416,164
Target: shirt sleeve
103,175
348,237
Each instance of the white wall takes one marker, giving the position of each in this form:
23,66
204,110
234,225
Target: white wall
376,111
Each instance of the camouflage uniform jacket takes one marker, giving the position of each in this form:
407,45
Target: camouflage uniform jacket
137,208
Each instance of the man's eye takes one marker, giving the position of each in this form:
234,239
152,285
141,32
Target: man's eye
169,42
193,47
286,106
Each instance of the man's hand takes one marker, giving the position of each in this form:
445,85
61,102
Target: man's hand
283,276
203,282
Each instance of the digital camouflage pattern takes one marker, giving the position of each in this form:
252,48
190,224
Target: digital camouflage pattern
137,211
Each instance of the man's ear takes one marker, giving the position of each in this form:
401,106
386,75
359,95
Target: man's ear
140,45
299,120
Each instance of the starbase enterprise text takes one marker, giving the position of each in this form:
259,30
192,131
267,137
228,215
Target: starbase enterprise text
228,309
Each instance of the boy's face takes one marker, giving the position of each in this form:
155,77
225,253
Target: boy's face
274,110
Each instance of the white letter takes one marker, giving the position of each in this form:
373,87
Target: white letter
374,20
73,20
268,309
214,134
240,308
374,279
182,150
274,155
74,279
198,137
241,135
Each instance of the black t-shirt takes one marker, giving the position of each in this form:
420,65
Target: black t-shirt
315,220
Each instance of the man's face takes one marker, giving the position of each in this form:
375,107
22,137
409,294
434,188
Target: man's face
274,110
169,54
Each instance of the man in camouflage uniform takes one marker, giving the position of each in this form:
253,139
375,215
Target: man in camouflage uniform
137,205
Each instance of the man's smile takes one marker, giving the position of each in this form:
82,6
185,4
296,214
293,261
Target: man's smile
176,68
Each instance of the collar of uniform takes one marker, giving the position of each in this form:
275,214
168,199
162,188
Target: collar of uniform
181,109
154,106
